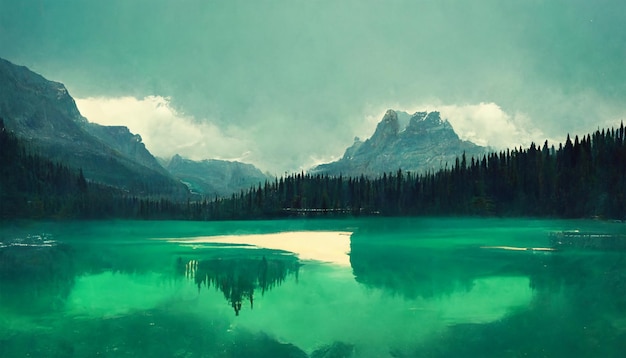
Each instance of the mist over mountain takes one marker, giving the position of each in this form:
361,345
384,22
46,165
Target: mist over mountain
43,114
417,143
215,178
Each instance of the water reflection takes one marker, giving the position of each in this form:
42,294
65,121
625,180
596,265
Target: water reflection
237,273
578,310
420,272
444,290
36,273
576,306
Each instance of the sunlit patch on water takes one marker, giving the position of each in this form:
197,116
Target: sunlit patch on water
513,248
325,246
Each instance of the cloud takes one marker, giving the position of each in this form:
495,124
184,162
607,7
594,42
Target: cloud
164,131
486,124
292,83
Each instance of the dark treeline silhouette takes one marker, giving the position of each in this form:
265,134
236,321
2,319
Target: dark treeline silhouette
32,186
582,178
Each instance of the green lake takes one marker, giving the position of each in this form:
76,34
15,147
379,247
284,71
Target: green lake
381,287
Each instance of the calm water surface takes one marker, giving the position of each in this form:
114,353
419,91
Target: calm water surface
318,288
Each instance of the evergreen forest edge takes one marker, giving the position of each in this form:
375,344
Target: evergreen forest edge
582,178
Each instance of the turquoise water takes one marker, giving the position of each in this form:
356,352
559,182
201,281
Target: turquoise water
320,288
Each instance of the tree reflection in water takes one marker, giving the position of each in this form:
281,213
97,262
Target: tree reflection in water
237,275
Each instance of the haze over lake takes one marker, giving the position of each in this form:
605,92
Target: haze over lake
364,288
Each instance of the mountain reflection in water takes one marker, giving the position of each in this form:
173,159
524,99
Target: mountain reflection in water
237,276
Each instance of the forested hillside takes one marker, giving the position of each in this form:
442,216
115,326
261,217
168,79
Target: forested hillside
583,178
31,186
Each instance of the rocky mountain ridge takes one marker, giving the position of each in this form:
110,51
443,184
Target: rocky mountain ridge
213,177
426,143
43,114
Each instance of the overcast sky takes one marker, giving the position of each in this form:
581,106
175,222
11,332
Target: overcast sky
286,84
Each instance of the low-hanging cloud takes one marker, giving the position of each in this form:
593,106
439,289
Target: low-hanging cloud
487,124
288,85
167,132
164,131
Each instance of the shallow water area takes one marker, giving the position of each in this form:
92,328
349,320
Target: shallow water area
400,287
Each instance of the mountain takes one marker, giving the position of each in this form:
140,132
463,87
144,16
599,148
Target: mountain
212,177
425,143
43,114
123,141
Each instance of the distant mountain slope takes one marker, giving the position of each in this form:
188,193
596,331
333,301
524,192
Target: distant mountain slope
45,116
426,143
130,145
212,177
